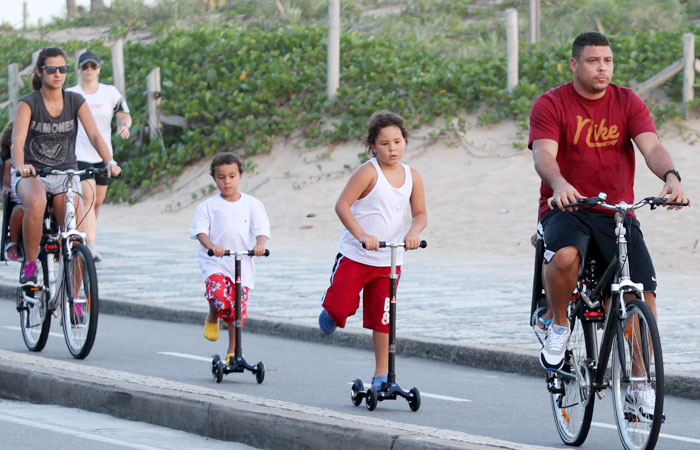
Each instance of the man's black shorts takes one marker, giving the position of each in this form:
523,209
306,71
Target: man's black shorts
100,180
595,232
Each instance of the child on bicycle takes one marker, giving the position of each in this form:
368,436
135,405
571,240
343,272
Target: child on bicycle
372,208
13,250
231,220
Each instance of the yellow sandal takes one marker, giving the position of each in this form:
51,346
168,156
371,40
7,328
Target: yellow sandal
229,358
211,330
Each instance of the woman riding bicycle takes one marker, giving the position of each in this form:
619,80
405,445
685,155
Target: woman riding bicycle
44,135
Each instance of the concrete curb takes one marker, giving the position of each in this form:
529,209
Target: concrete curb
259,422
478,356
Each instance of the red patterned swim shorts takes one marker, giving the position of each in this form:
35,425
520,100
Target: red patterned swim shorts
221,293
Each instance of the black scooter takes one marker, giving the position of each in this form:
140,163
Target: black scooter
390,389
219,367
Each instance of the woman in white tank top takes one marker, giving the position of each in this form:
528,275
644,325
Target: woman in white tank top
372,207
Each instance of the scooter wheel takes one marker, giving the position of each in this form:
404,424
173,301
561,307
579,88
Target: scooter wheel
371,399
219,371
414,401
357,390
214,364
260,372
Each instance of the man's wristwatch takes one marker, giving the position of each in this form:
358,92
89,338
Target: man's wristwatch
673,171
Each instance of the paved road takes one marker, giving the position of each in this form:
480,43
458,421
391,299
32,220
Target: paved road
29,426
455,399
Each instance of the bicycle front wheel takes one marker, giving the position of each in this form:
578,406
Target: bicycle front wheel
80,302
571,393
638,378
32,304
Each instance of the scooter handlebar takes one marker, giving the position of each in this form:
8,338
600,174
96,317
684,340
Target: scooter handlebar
383,244
210,252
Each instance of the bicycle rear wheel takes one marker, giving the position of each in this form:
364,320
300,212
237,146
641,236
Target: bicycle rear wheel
638,378
571,393
80,302
32,304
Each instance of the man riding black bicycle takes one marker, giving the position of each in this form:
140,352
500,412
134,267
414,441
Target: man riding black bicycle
581,136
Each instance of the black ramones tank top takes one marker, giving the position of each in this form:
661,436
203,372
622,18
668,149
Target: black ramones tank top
51,140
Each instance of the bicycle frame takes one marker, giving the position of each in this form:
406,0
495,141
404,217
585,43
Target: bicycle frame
68,235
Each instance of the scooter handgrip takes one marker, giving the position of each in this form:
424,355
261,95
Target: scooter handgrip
252,252
423,244
210,252
382,244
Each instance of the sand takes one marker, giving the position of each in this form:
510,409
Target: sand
481,194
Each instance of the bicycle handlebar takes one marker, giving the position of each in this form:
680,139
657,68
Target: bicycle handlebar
383,244
210,252
590,202
51,171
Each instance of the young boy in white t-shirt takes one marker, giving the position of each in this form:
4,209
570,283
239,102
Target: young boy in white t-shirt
231,220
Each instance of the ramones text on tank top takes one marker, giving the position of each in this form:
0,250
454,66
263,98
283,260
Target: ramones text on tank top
380,213
51,140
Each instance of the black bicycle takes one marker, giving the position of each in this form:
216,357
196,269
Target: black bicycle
629,335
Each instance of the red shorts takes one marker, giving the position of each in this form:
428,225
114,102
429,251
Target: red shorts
221,294
343,296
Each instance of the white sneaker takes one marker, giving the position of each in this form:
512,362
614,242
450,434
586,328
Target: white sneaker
554,349
640,404
95,254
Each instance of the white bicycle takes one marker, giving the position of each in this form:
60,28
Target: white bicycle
66,279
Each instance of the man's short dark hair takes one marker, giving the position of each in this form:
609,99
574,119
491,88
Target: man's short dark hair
588,38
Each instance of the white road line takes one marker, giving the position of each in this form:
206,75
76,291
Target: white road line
80,434
436,396
51,333
423,394
663,435
186,356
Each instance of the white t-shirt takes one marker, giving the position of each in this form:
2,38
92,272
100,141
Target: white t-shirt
234,226
103,104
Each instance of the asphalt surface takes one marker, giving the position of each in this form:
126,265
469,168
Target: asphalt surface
29,426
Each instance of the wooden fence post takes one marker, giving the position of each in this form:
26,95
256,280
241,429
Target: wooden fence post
13,88
78,75
534,21
512,46
153,100
25,16
333,70
118,66
688,70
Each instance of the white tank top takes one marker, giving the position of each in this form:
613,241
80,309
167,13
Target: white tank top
381,213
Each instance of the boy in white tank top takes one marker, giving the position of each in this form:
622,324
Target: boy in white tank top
372,208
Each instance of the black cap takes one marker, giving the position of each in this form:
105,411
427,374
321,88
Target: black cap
88,56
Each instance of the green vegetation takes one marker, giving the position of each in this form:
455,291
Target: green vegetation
248,73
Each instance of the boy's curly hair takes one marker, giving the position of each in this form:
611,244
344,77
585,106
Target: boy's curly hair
379,120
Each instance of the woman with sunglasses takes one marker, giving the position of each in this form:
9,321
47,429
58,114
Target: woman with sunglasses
105,101
44,134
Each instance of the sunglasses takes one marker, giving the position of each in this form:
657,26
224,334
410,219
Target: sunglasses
52,69
89,65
